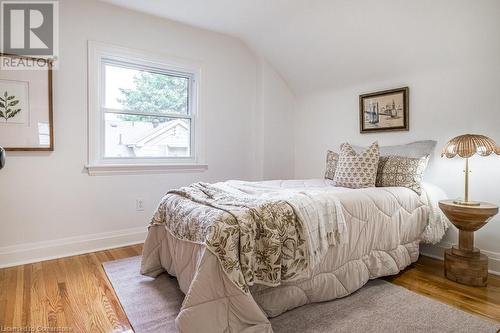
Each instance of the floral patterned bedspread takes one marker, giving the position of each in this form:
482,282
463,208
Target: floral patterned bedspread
255,240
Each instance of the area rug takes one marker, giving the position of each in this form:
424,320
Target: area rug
152,305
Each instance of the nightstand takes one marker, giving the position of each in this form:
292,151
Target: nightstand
466,264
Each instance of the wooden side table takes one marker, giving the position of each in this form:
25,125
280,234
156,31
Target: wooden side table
465,263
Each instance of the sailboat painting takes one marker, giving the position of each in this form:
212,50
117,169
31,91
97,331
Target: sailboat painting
384,110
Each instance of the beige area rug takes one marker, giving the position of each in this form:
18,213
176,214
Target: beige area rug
152,305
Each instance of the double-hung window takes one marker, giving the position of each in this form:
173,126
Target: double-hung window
143,112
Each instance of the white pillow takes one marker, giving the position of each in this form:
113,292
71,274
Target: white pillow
415,149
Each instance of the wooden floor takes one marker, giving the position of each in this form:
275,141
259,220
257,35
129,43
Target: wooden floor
426,277
71,292
75,295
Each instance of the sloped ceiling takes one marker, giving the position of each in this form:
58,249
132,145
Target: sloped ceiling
329,44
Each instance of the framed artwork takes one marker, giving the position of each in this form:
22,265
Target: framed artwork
384,111
26,107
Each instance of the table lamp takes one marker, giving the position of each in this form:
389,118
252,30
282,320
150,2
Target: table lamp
465,146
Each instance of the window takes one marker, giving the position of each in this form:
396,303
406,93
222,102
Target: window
146,112
142,112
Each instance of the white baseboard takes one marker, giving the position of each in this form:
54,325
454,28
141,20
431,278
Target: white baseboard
64,247
437,252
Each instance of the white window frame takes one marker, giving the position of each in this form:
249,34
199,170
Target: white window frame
98,55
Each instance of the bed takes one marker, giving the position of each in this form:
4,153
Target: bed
243,252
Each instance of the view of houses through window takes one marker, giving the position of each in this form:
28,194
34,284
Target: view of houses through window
146,112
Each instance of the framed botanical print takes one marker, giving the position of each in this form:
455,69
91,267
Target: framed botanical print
26,104
384,111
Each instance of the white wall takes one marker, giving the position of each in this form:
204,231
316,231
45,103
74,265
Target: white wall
444,103
276,137
49,206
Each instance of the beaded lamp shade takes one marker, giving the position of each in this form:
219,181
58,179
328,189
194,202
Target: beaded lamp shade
469,144
466,146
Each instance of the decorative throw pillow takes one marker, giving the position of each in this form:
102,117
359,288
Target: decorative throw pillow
357,170
404,171
381,164
332,159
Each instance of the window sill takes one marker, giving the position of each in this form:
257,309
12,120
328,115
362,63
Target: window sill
142,169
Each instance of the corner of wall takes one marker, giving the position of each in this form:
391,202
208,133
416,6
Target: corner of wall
276,103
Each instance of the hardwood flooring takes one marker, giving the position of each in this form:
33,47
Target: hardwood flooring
426,277
74,294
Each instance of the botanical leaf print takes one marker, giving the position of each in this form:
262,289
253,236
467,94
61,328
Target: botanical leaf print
7,106
256,240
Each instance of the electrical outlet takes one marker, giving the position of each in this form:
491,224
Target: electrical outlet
139,205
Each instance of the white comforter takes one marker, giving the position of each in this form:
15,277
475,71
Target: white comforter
356,235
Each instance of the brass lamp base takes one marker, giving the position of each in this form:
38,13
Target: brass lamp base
466,203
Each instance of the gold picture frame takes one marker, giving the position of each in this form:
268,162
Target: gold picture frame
384,111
